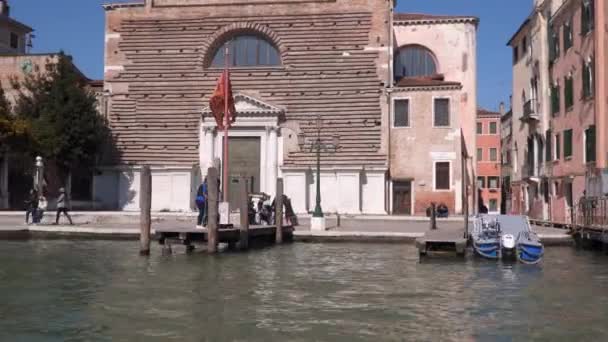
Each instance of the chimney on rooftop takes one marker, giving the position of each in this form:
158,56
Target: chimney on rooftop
5,9
501,109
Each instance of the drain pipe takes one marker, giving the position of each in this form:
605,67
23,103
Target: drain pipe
389,91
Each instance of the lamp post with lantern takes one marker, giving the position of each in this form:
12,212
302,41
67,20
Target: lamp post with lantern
316,144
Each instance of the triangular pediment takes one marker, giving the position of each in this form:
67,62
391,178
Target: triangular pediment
249,105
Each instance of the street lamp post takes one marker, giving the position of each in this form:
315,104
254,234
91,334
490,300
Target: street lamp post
39,178
317,145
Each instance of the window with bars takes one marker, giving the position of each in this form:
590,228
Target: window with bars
587,16
567,35
479,128
442,113
590,141
442,176
588,84
481,182
493,155
493,182
247,51
569,92
401,113
555,100
493,128
568,143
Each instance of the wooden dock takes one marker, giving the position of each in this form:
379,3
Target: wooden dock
257,235
442,241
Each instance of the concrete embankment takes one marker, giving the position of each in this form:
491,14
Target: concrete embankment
121,225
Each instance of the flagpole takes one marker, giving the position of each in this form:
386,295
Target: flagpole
226,124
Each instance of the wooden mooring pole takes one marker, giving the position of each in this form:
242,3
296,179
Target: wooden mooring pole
433,216
212,219
244,207
145,203
278,216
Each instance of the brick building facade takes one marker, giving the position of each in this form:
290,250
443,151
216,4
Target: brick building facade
332,59
488,155
559,149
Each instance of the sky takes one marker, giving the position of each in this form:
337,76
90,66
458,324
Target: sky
77,27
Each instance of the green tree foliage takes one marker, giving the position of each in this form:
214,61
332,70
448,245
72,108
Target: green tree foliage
14,132
65,126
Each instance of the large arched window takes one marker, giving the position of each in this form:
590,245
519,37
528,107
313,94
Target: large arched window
413,61
247,51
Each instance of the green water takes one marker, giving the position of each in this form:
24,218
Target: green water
103,291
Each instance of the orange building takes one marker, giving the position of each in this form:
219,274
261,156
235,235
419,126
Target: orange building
488,160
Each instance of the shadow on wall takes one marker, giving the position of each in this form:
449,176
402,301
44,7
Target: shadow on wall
113,189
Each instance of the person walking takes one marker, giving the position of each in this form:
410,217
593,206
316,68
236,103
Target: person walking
42,207
31,206
201,204
62,206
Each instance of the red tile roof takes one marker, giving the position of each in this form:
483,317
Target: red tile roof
487,113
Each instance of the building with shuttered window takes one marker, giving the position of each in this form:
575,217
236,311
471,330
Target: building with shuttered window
291,61
433,110
560,149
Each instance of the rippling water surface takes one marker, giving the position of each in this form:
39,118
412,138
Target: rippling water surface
103,291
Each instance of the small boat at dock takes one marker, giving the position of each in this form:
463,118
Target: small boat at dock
506,236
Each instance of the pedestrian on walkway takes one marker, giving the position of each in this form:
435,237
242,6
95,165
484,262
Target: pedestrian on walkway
31,206
201,204
62,206
42,206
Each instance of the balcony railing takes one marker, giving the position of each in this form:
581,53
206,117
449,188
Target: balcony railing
530,112
531,171
592,212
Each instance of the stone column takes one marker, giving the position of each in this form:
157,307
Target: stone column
207,149
272,160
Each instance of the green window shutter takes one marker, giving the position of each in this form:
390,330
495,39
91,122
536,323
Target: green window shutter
555,99
569,92
568,143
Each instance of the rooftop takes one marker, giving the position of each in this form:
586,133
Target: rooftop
421,18
482,112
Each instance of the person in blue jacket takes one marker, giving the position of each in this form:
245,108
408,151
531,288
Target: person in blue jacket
201,204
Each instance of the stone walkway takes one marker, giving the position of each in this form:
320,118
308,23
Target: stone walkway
350,229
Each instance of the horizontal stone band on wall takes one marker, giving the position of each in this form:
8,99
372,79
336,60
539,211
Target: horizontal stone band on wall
175,3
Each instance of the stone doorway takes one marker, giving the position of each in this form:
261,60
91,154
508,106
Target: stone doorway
402,198
244,156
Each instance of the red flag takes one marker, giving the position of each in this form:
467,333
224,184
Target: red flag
217,103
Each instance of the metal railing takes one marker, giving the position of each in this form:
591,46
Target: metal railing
591,212
529,110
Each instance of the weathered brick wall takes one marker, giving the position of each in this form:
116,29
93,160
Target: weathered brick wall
334,61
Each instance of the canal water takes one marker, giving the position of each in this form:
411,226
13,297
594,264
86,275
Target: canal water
103,291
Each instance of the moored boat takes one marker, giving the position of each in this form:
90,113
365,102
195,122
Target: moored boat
506,236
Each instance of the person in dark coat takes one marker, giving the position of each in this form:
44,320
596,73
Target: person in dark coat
201,204
31,206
